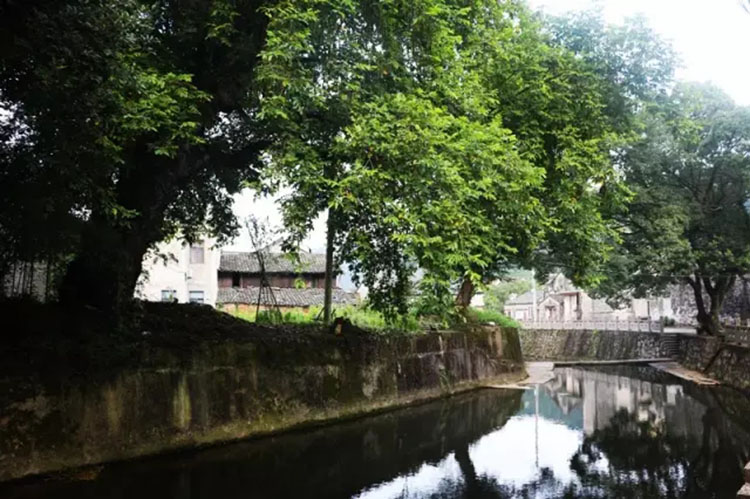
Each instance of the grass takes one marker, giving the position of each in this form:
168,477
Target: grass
359,316
366,318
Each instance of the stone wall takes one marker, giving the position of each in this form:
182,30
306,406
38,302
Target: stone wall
592,345
172,398
724,362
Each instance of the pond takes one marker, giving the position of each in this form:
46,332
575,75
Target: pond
608,432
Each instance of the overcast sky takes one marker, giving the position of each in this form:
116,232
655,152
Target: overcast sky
711,36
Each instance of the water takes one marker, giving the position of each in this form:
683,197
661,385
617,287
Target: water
610,432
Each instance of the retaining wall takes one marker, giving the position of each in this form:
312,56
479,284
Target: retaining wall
592,345
172,398
726,362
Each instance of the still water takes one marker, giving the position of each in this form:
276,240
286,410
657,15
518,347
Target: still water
609,432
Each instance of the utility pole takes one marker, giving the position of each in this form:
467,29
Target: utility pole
328,292
533,295
536,424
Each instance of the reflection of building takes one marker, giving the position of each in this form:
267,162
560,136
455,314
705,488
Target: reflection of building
602,395
560,300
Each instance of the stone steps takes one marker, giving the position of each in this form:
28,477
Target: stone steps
670,345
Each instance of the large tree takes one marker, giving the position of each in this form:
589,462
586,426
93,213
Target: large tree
388,125
689,220
134,119
593,80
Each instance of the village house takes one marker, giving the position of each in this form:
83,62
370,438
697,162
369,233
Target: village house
202,273
560,300
294,284
181,272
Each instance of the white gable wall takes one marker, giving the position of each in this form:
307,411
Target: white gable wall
178,274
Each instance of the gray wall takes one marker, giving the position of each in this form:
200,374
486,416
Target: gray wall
221,391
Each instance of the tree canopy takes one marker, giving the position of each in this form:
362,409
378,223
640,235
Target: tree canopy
484,145
688,221
461,138
125,122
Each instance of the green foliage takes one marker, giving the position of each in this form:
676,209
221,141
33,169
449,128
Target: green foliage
485,316
496,295
128,122
363,317
593,78
456,138
688,221
460,138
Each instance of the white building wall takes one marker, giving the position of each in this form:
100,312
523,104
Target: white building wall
175,272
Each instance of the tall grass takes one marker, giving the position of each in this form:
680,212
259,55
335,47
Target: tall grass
366,318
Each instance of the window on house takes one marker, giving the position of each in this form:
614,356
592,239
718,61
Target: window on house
197,254
196,297
236,280
168,295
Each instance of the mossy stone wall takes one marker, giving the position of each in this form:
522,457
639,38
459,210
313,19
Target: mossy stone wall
212,392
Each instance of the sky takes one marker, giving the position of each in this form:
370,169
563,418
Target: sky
712,38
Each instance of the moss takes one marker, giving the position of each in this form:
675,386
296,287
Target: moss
172,395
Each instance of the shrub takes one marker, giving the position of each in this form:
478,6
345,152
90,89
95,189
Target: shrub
359,316
484,316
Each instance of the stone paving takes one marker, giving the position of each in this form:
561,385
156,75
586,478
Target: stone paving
675,369
538,373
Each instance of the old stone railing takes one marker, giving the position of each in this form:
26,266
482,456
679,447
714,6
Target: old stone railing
598,325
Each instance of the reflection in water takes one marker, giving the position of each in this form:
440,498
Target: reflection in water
615,432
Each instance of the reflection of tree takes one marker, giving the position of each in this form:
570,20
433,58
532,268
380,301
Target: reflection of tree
643,461
485,487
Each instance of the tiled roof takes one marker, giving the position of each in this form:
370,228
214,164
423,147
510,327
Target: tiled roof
599,306
279,263
524,299
285,297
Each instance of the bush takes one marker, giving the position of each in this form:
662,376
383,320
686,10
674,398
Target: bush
359,316
484,316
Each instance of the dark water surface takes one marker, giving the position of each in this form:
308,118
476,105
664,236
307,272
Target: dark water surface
614,432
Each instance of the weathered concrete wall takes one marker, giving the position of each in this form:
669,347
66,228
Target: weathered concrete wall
591,345
221,391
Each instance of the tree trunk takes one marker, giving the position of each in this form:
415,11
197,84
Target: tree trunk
109,260
105,271
708,317
465,293
330,240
